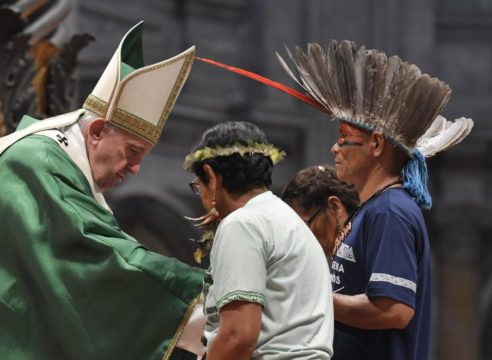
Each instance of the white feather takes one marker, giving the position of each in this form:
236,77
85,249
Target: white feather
443,134
436,127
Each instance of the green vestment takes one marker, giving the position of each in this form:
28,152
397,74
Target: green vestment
73,285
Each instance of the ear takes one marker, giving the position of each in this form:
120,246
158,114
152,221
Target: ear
96,128
335,205
378,142
214,179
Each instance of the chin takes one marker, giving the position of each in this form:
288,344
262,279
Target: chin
104,188
104,185
340,174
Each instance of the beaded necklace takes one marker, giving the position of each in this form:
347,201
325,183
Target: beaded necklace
347,225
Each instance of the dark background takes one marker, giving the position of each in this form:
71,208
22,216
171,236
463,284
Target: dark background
450,39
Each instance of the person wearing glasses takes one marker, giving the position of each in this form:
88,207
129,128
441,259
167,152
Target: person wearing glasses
323,202
268,293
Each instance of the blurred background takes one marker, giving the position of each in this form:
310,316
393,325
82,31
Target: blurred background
46,70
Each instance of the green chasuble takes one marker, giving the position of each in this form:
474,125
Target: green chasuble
73,285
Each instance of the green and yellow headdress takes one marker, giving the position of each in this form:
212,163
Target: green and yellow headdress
205,153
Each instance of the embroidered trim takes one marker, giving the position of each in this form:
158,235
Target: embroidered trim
123,119
177,335
394,280
183,75
250,296
346,252
136,125
96,106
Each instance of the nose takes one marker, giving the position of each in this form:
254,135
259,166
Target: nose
134,169
335,148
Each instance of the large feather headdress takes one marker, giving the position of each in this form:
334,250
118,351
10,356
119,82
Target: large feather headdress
368,89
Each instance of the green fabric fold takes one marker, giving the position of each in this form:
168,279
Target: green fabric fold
73,285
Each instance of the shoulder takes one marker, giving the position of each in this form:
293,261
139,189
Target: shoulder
267,219
394,205
395,201
265,209
34,150
39,157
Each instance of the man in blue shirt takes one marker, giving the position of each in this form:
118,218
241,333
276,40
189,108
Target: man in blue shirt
381,268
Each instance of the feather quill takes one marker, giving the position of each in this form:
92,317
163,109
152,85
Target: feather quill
308,72
359,75
378,88
316,61
265,81
346,51
392,68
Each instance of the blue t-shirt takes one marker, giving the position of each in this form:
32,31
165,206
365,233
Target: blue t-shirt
386,254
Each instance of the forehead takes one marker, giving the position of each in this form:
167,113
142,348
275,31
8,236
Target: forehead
347,129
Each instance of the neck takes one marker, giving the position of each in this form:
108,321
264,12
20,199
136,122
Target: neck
232,202
373,184
381,170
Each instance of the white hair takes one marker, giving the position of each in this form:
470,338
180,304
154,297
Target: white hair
88,117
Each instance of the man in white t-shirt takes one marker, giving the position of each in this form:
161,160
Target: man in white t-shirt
268,293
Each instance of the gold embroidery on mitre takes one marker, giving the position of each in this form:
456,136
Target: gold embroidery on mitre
136,125
96,106
175,92
123,119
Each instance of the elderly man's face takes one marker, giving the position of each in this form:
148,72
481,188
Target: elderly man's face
352,153
113,153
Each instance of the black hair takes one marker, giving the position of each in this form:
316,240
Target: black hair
240,173
312,186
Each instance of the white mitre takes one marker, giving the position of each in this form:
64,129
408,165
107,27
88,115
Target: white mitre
135,97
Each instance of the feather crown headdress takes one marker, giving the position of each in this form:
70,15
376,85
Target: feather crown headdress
205,153
368,89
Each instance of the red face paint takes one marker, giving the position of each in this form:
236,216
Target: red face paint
351,135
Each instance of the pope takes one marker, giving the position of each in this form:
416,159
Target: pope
73,285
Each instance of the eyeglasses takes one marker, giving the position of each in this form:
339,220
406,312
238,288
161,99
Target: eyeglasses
314,214
195,187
